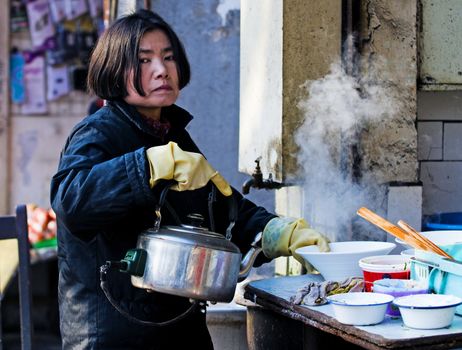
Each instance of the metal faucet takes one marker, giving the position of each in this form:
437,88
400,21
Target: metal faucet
257,181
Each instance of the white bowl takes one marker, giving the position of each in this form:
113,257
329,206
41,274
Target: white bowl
342,260
360,309
427,311
408,252
440,238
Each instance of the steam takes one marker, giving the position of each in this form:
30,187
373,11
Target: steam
338,109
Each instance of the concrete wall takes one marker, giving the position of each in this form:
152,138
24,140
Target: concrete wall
261,86
284,44
37,142
311,131
388,38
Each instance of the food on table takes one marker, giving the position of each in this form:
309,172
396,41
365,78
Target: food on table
41,224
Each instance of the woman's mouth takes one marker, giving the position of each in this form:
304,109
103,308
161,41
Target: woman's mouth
164,87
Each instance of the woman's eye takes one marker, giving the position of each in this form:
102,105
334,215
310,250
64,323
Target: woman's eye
169,58
144,60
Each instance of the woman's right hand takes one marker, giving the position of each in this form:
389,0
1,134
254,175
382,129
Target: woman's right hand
190,170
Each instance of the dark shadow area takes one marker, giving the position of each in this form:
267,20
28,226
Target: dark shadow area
45,315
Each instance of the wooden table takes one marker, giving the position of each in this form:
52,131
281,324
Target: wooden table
274,294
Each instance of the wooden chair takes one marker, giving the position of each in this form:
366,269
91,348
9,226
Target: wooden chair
15,226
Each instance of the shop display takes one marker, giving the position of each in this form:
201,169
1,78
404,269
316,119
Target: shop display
62,34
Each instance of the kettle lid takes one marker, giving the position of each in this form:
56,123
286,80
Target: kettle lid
193,234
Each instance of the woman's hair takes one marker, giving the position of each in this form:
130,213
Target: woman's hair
116,54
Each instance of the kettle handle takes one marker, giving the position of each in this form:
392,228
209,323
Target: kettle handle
104,269
232,204
163,201
233,212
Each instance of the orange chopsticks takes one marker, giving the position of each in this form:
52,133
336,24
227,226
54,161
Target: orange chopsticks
404,232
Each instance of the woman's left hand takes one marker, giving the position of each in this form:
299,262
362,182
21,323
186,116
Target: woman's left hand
190,170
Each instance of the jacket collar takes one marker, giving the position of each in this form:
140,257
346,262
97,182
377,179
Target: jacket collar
178,117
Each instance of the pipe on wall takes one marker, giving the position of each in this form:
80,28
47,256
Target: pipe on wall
350,158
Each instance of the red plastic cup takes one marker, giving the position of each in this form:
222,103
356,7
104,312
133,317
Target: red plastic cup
384,266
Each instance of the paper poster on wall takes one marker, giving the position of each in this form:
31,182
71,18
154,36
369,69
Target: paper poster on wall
75,8
96,13
58,12
18,16
17,63
40,25
96,8
57,82
34,79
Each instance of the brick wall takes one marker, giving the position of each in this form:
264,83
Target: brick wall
440,150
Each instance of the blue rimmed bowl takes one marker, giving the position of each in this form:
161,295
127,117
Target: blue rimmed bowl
427,311
360,308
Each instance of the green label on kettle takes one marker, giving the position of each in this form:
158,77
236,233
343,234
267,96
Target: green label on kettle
136,261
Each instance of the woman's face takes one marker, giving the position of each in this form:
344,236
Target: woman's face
159,75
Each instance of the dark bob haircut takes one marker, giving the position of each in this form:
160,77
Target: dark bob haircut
116,54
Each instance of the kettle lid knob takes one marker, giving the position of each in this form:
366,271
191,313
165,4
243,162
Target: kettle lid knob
195,219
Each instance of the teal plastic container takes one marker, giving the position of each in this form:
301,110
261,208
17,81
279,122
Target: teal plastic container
442,275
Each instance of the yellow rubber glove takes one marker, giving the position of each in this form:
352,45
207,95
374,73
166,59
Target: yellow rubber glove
190,170
282,236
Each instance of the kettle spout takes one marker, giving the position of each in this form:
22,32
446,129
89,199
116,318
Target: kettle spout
249,258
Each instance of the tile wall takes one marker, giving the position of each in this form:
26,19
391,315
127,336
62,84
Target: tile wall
439,125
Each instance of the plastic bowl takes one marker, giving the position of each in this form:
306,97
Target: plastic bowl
342,260
399,288
427,311
360,309
384,266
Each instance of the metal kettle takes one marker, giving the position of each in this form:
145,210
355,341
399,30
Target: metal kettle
188,261
185,260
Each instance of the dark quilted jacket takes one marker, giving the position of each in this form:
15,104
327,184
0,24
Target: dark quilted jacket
102,199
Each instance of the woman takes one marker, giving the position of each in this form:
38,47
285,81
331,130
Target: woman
108,184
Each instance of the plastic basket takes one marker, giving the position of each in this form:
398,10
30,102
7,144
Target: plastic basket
420,271
441,276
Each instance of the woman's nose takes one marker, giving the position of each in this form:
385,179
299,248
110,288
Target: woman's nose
160,70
